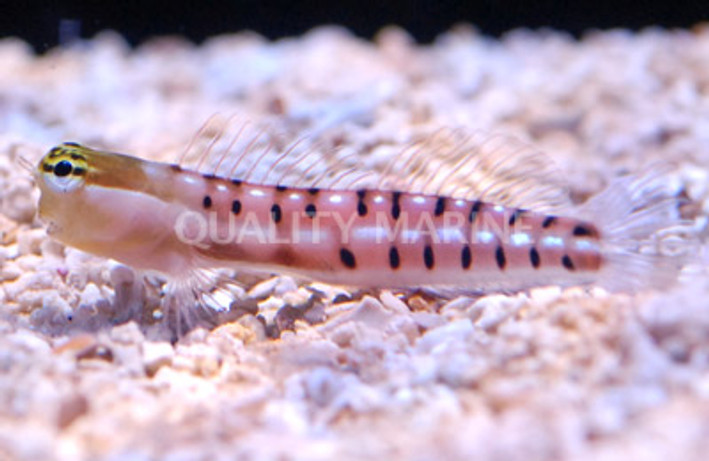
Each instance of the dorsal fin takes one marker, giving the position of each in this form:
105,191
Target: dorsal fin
457,162
472,164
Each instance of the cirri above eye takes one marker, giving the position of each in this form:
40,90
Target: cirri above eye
63,168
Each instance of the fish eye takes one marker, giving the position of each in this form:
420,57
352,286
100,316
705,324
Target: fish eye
63,168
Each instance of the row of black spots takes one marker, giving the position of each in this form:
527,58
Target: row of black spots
361,206
276,212
474,211
536,260
347,258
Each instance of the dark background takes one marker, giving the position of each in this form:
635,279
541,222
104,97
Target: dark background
45,24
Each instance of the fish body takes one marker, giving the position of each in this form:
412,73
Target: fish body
172,220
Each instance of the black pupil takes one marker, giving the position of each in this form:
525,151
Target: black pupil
62,168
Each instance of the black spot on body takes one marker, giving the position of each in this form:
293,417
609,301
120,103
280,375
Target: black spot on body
236,207
347,258
500,258
582,230
209,176
361,206
534,258
207,201
310,210
313,191
428,257
548,221
567,262
466,257
237,182
474,210
176,168
515,216
395,205
276,213
440,206
281,188
394,260
72,144
62,168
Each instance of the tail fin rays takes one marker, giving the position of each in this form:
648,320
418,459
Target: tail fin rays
646,243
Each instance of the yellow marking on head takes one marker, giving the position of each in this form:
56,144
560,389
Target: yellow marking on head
104,203
64,167
70,165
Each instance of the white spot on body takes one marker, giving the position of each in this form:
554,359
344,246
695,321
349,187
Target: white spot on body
553,241
586,245
191,180
485,237
450,235
520,239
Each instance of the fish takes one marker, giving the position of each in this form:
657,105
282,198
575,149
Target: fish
457,212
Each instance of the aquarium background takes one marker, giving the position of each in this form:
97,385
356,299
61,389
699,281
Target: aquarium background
44,24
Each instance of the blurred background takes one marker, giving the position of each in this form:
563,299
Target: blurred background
46,24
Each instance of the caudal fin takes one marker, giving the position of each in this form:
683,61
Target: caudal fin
645,242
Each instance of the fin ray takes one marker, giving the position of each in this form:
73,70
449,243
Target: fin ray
645,241
458,162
